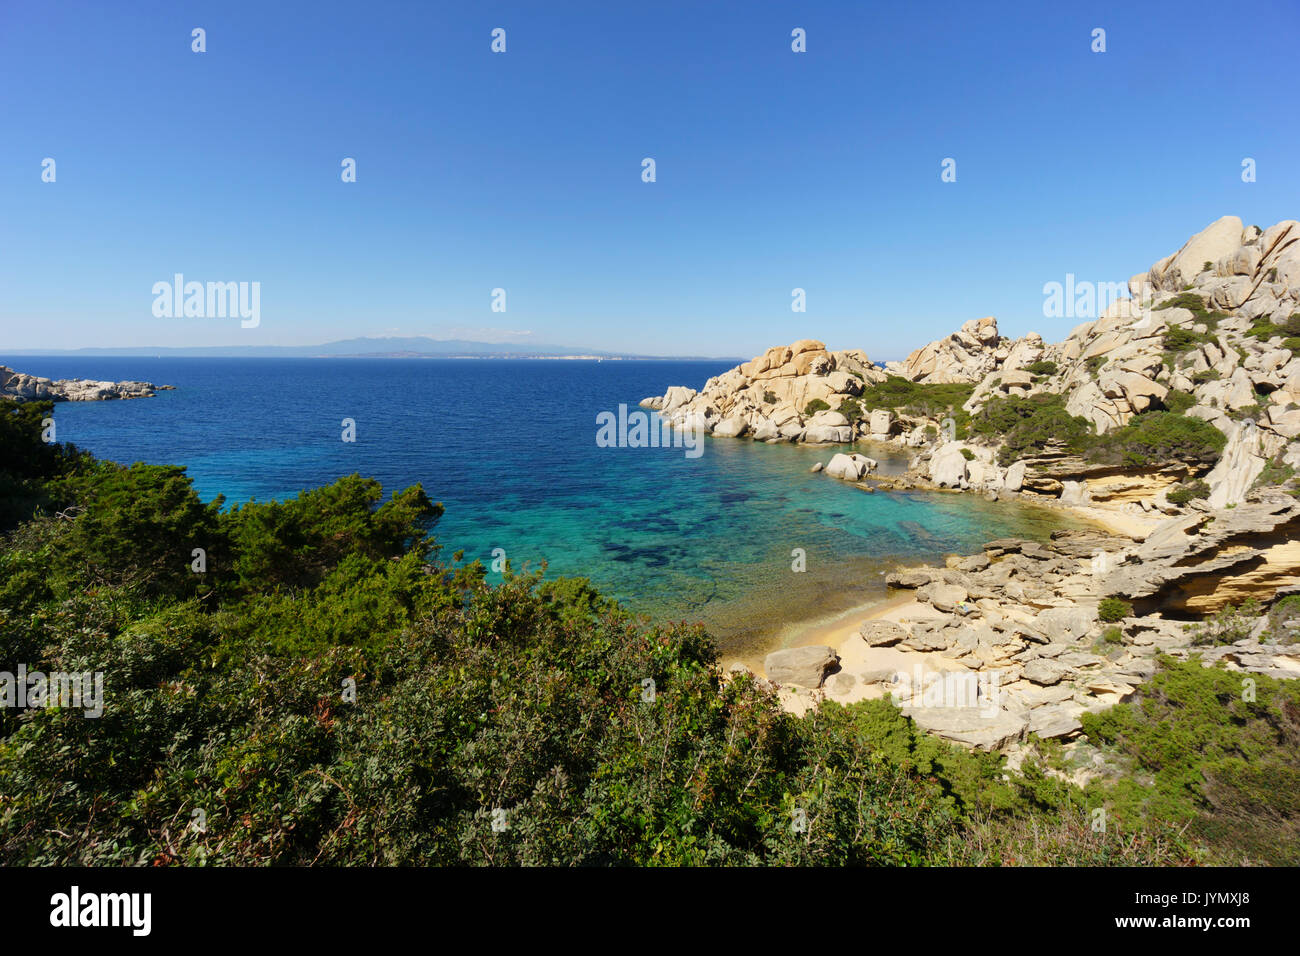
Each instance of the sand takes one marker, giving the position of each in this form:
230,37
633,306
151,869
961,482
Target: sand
841,633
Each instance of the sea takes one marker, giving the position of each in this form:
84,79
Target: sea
740,536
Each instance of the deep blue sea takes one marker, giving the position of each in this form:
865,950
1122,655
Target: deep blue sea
509,448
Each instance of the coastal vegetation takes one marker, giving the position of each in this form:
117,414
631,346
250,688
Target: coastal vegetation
312,681
328,690
921,399
1032,425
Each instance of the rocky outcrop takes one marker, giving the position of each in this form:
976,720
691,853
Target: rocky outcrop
1010,643
968,355
787,394
22,387
1200,563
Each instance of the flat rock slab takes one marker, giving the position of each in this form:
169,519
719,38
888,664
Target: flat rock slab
1045,671
983,729
881,633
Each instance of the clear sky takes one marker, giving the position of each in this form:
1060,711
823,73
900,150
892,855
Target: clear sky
775,169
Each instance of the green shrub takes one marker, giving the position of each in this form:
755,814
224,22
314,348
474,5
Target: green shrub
852,409
815,406
1209,758
1284,620
921,400
1275,472
1230,624
1029,425
1179,402
968,454
1185,493
1112,609
769,398
1157,437
1041,367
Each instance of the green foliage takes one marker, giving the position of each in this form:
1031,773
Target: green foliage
1214,760
968,454
32,471
1179,402
295,543
1193,303
1185,493
1264,329
1178,339
1284,621
1227,626
922,400
1112,609
815,406
138,527
1112,635
769,398
1275,472
1041,367
1029,425
852,409
1156,437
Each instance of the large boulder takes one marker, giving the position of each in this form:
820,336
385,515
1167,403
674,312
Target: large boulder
850,467
948,465
801,666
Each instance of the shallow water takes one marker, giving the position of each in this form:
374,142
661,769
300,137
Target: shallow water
509,448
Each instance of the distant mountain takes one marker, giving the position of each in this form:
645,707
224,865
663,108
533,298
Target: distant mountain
370,347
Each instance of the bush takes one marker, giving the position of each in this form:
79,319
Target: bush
1185,493
1179,402
1030,425
921,400
815,406
1159,437
1041,367
1223,766
1275,472
852,409
1113,609
1227,626
968,454
769,398
1284,620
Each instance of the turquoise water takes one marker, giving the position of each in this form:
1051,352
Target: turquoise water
509,448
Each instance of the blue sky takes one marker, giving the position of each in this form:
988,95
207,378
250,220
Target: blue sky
522,170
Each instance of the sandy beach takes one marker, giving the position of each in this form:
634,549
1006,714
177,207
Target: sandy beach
840,632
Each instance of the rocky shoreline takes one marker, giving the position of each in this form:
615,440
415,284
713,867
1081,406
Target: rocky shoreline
1173,417
1019,625
22,387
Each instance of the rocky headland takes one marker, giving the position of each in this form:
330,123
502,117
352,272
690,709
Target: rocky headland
22,387
1171,420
